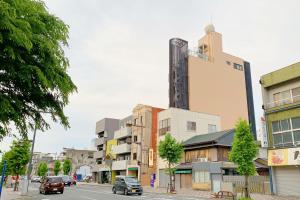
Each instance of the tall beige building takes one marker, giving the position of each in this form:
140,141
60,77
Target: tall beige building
208,80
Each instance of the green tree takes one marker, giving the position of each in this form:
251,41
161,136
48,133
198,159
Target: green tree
34,83
67,166
57,167
244,150
42,169
171,151
18,158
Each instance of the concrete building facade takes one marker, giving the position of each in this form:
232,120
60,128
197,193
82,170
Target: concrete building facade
211,81
281,104
182,124
105,129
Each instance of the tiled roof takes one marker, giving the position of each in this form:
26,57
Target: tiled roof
210,137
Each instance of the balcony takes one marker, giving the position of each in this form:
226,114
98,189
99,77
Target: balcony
99,141
120,165
283,102
98,154
122,148
122,133
197,53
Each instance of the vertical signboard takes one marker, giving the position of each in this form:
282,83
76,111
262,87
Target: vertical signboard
151,157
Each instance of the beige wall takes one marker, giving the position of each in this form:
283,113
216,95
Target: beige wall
216,87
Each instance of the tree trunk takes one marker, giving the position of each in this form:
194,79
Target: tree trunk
170,175
247,195
16,183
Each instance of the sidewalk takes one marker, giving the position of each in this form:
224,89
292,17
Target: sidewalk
207,194
9,194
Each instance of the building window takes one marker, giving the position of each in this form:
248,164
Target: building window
135,138
202,177
237,66
228,62
191,126
286,97
134,156
212,128
286,132
164,126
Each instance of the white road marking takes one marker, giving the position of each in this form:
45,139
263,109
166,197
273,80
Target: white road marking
87,198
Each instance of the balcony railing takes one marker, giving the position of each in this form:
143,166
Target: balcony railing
122,133
120,164
99,141
282,102
98,154
122,148
198,54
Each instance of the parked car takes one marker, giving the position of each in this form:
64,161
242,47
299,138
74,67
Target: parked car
127,185
35,179
52,184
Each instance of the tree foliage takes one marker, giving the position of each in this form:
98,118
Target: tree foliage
244,150
67,166
33,67
42,169
171,151
57,167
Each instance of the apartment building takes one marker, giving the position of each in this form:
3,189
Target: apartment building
182,125
281,104
105,129
144,143
208,80
122,149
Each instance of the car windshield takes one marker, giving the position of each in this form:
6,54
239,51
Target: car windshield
131,180
55,180
66,178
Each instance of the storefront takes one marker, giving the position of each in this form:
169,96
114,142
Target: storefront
285,165
183,178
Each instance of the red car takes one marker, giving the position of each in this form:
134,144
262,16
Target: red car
52,184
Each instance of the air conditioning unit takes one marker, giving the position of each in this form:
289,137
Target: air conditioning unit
202,159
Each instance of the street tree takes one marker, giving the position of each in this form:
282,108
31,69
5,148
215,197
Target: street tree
67,166
18,158
57,167
42,169
34,83
171,151
244,150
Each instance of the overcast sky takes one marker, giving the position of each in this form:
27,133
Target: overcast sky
119,52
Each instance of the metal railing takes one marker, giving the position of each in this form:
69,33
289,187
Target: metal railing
197,53
283,102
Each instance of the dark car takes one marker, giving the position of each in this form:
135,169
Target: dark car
67,180
127,185
52,184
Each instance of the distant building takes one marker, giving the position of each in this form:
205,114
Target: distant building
82,160
208,80
281,104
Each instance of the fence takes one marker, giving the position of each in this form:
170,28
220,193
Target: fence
257,184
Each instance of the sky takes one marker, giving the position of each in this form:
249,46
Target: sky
118,52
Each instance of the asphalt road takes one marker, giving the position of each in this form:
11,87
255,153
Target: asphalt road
90,192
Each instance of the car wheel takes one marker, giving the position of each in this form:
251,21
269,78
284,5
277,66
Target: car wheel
114,190
140,194
41,192
126,191
62,192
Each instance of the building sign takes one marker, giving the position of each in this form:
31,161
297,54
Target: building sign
183,171
150,157
281,157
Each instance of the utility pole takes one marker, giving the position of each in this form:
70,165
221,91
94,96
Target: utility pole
30,160
2,177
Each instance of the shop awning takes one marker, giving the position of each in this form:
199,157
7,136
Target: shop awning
132,169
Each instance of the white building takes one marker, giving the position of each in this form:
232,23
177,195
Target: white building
182,125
